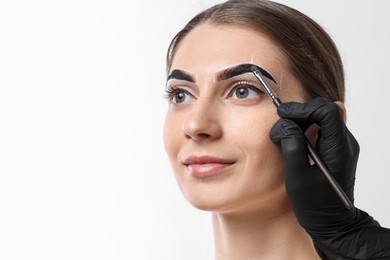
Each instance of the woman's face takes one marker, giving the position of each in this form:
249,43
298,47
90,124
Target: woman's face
217,126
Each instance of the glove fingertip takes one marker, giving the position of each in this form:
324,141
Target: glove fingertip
276,131
293,143
284,109
284,129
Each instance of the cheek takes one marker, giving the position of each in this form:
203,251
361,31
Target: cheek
263,158
251,130
171,136
259,177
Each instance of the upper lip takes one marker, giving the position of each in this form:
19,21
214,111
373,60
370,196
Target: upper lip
205,159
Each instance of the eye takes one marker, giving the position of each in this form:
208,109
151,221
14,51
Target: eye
178,95
244,90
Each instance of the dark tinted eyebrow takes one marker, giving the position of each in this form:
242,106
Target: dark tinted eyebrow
241,69
223,75
181,75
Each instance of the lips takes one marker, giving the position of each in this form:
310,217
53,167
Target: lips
204,166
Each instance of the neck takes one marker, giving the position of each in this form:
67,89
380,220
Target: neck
255,235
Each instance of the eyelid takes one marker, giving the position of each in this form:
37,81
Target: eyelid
170,92
177,83
247,82
250,84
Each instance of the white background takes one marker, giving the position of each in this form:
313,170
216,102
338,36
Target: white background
83,172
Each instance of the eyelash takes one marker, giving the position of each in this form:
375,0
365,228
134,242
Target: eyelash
170,91
245,84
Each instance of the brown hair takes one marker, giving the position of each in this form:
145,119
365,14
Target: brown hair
312,55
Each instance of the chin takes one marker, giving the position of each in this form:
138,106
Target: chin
223,201
207,200
236,201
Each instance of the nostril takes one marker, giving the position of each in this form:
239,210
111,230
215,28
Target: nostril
203,135
198,136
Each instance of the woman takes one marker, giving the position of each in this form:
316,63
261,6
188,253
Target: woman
267,200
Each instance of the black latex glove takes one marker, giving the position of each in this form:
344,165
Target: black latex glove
339,232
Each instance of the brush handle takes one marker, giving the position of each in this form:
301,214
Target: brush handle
329,177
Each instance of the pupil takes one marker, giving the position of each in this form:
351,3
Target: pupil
179,97
242,93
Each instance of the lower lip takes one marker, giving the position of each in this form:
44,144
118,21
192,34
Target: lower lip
207,169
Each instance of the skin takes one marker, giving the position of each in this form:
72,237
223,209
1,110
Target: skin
252,218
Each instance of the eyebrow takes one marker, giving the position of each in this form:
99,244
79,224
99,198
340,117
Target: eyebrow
222,75
241,69
181,75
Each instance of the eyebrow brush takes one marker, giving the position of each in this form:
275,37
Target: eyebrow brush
313,154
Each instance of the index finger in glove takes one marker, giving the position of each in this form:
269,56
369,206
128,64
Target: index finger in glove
319,111
305,185
293,144
334,135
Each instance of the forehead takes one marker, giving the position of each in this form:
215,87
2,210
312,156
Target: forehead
214,46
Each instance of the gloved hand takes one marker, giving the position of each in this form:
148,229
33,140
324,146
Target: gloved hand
339,232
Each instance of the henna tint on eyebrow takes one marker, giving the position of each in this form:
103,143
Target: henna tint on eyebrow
181,75
241,69
223,75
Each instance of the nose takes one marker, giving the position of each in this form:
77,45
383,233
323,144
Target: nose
203,122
